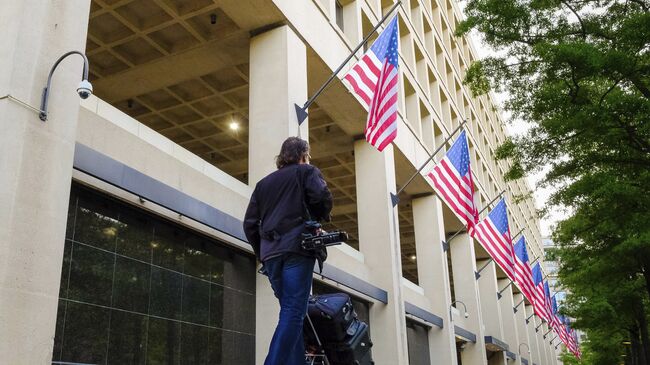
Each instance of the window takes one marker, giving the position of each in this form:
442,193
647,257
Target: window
417,337
136,289
339,14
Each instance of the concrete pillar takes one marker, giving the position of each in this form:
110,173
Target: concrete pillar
508,317
278,79
491,310
466,288
433,273
532,337
379,243
35,168
543,345
522,331
487,284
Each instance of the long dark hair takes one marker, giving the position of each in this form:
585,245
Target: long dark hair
292,152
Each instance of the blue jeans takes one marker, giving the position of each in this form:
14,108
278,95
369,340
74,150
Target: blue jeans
290,276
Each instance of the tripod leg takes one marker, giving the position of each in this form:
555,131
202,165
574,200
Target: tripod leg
320,344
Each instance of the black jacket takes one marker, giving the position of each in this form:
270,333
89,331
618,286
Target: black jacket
274,219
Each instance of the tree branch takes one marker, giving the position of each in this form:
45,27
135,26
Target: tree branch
582,24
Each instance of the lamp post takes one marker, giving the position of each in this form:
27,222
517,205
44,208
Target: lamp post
451,318
85,88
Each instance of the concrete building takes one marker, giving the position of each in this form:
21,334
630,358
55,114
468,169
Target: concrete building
120,215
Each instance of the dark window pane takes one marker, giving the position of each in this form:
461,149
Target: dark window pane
197,259
65,270
135,236
196,300
216,306
168,247
91,275
131,286
86,334
194,344
166,287
418,343
237,348
239,272
239,311
96,222
128,338
217,267
215,347
163,342
60,316
72,210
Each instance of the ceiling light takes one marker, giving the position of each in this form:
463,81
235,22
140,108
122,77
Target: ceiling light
234,126
413,257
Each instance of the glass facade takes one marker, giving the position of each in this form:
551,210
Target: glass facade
136,289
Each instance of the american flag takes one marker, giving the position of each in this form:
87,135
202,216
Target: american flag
494,235
558,322
374,79
547,302
566,333
523,274
539,303
452,180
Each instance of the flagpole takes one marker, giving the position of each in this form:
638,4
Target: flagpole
529,317
504,289
395,197
478,273
517,306
547,332
301,112
518,233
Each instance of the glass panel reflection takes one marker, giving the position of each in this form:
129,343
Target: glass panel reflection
128,338
136,289
91,275
86,334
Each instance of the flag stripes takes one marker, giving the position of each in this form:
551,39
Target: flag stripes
374,78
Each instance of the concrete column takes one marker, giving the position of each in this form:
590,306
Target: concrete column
543,345
522,332
466,288
278,79
508,317
35,168
490,309
433,273
532,337
379,243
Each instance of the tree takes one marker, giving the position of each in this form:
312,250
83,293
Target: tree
578,73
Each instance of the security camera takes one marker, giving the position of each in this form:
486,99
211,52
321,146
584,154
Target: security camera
466,315
85,89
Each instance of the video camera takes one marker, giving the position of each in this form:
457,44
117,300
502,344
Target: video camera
317,238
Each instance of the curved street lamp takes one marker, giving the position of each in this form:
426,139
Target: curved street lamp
523,343
85,88
452,304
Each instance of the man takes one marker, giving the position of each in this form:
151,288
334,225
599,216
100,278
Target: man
274,222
